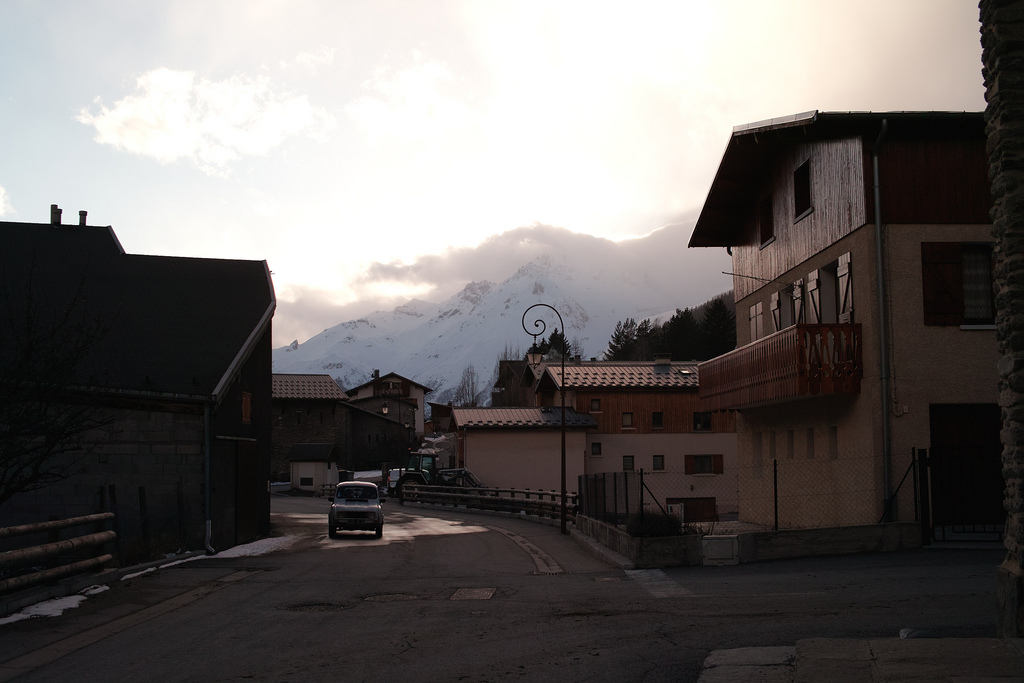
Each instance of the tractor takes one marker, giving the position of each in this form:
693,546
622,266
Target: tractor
422,468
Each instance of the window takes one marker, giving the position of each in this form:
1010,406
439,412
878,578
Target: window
246,408
595,405
595,448
305,481
658,420
627,463
977,265
957,283
833,442
765,222
703,464
627,420
802,191
659,462
810,443
702,422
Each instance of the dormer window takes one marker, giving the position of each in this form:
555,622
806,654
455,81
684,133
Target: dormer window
802,191
765,222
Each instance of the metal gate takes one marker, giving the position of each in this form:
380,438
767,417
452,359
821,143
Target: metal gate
962,479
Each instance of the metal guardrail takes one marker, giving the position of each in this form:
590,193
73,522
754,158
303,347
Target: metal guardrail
46,552
539,503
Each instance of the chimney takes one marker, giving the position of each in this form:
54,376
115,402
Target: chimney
54,214
662,359
81,217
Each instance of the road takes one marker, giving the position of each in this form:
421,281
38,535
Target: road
450,596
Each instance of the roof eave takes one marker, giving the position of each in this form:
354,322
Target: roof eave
220,391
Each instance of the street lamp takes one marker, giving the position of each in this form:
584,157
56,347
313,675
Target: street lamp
533,358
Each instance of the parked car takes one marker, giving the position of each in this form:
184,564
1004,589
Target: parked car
356,506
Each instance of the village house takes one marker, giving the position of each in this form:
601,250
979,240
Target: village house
621,416
398,398
320,437
177,380
521,447
862,260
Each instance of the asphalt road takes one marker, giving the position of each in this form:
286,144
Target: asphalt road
448,596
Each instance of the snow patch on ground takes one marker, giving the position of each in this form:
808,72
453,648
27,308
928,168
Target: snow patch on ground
55,607
260,547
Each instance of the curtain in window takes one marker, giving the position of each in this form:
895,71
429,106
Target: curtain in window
977,265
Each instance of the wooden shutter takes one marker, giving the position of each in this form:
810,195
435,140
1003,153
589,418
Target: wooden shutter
845,287
813,304
942,283
716,463
776,313
798,302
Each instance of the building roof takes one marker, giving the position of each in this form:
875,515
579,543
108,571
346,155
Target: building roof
307,386
391,375
171,326
625,375
754,146
311,452
520,418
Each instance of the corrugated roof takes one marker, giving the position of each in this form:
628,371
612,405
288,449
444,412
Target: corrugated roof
627,375
520,418
307,386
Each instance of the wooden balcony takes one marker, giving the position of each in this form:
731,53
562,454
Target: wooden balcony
800,361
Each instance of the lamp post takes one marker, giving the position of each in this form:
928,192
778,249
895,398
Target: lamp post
533,358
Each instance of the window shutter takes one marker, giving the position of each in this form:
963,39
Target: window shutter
798,302
942,283
845,287
813,298
716,463
689,465
776,312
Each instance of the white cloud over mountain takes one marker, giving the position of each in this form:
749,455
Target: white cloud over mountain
592,282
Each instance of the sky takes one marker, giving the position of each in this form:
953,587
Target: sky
373,152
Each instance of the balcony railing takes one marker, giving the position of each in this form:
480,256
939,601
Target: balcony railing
800,361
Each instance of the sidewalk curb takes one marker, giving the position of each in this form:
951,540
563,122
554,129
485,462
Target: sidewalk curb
601,551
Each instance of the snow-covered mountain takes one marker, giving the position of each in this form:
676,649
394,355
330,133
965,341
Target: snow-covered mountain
434,343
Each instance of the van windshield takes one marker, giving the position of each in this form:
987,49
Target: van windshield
356,493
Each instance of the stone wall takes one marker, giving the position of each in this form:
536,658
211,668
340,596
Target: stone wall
761,546
1002,39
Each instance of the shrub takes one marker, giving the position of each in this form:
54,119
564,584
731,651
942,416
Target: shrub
652,524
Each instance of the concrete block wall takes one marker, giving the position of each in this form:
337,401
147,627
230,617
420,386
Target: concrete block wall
151,454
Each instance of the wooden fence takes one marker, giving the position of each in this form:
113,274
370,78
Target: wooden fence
14,562
538,503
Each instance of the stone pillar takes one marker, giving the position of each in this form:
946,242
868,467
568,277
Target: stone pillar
1002,39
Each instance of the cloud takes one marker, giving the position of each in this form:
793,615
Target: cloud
409,106
173,115
5,203
304,311
311,60
662,256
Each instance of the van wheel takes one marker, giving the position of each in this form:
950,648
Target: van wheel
332,531
380,531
